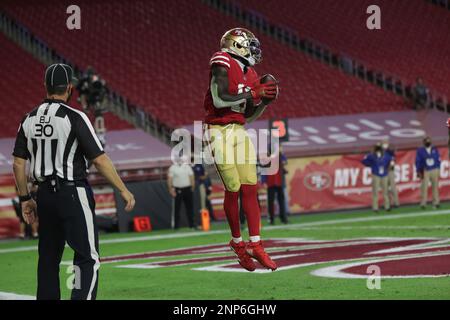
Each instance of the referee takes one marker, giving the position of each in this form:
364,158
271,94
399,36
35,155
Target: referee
59,141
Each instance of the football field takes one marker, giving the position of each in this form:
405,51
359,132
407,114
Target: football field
404,254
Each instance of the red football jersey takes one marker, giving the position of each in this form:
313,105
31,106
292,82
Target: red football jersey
237,83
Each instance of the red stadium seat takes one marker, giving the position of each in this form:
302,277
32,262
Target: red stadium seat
22,84
156,54
413,40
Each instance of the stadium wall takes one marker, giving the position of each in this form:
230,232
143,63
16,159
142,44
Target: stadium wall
341,182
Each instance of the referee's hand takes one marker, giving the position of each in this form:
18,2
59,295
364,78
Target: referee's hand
29,211
128,197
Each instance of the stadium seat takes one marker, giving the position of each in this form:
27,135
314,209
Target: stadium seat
23,87
413,40
158,58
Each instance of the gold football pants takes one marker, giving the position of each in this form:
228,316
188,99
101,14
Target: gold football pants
234,155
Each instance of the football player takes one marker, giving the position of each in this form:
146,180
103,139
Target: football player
236,96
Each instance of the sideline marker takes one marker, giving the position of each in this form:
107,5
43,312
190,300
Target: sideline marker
205,220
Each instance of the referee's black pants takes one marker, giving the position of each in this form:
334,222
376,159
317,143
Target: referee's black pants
67,215
279,192
186,196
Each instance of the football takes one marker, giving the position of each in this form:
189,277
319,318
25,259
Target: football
267,78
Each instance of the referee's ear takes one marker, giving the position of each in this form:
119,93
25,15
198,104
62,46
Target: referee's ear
69,92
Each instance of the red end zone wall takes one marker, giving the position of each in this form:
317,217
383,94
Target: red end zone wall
342,182
314,184
9,224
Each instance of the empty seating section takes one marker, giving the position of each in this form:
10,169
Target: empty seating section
22,88
156,54
21,85
413,40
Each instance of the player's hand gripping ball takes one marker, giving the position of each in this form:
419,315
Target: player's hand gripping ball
267,79
266,90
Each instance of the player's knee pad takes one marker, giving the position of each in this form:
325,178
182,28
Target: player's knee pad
249,179
229,176
233,186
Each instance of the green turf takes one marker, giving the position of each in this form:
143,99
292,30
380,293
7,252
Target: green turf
18,269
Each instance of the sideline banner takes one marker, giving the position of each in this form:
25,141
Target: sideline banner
342,182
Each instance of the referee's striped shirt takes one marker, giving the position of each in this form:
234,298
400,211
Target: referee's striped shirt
58,140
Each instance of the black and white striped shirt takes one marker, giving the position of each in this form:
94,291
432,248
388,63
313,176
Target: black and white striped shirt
58,140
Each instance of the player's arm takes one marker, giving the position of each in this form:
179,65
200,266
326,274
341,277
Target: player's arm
222,98
269,89
219,89
260,108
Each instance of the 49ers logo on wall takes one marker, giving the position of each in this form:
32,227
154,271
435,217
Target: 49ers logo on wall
396,257
341,181
317,181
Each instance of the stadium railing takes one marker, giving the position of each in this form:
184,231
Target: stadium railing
442,3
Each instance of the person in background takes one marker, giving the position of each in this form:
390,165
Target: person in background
379,163
208,188
285,191
448,127
421,95
428,164
274,184
393,192
181,185
200,177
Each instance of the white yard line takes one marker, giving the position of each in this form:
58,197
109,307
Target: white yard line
14,296
225,231
365,219
378,227
18,249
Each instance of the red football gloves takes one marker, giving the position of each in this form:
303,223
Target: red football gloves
267,90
